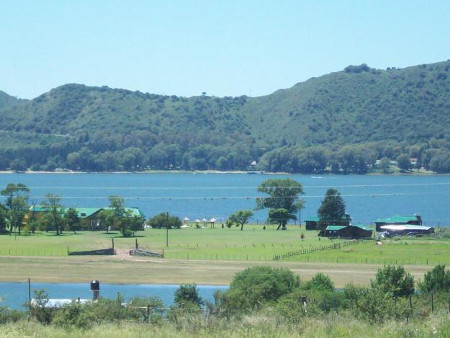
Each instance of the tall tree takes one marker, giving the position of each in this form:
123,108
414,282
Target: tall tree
332,209
72,220
117,205
53,212
240,218
283,194
17,202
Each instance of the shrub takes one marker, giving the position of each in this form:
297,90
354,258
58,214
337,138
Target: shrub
394,280
188,293
255,286
320,282
436,280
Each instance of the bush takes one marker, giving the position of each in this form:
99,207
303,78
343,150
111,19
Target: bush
10,316
188,293
253,287
163,220
319,282
436,280
394,280
74,315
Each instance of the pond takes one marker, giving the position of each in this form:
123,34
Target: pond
15,295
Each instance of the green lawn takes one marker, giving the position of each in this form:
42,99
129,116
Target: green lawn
253,244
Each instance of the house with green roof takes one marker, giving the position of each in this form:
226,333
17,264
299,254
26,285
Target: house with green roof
398,220
349,231
90,218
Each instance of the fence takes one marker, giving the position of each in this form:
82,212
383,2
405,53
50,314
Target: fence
333,246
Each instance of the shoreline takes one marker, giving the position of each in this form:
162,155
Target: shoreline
316,175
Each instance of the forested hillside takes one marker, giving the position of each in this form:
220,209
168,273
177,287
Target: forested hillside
344,122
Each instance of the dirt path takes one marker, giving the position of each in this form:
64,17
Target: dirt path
124,268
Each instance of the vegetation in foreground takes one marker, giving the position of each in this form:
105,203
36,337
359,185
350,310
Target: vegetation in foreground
261,301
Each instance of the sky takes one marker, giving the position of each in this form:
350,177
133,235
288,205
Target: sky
223,48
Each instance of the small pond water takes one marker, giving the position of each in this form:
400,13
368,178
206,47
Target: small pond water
14,295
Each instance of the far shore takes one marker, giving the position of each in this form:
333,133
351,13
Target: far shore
317,175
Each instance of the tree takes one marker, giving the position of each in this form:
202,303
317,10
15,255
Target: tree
395,280
3,215
255,286
319,282
187,293
385,165
436,280
332,209
283,194
240,217
72,220
165,220
403,162
117,205
17,203
53,212
12,190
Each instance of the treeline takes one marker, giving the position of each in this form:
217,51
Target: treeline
264,301
358,159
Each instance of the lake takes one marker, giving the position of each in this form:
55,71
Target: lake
207,195
14,295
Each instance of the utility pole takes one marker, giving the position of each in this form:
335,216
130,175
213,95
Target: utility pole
167,230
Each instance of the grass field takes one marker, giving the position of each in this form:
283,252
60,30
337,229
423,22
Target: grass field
252,244
210,256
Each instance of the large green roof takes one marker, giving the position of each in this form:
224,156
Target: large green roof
88,212
397,219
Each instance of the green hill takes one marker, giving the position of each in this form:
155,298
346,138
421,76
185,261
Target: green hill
342,121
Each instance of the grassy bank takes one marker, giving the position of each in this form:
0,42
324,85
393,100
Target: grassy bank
437,325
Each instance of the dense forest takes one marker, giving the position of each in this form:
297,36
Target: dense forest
353,121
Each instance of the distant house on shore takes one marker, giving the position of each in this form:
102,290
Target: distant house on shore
90,218
398,220
349,231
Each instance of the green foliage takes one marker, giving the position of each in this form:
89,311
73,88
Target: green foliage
319,282
17,203
283,194
39,310
253,287
165,220
301,129
403,162
53,213
72,220
332,209
436,280
10,316
187,293
394,280
239,218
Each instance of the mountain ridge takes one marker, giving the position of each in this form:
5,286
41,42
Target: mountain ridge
355,106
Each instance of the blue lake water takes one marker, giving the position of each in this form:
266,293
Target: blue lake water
218,195
14,295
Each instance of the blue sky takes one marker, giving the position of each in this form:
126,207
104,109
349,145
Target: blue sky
223,48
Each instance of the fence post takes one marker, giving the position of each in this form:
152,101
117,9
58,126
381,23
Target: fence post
449,302
432,301
410,304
